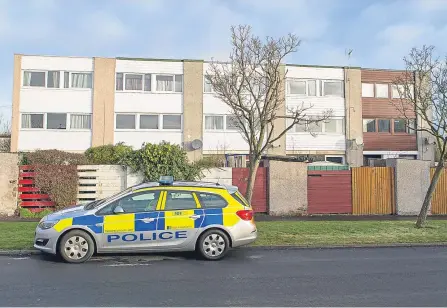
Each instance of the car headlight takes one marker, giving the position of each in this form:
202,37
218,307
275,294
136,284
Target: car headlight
44,225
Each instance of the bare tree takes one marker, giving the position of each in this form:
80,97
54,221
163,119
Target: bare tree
5,135
252,85
423,93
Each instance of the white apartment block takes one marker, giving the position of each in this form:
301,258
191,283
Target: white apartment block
73,103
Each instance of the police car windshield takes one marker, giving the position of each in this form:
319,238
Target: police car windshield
97,203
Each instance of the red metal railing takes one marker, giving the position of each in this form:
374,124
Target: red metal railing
30,196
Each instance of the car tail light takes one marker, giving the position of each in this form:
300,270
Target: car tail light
245,214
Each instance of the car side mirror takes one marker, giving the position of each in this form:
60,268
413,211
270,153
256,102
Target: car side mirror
118,210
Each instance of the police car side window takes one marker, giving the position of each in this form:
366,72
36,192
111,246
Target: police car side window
211,201
179,200
134,203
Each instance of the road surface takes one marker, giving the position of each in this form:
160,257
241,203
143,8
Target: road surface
296,277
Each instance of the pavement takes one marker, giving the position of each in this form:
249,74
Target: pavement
411,276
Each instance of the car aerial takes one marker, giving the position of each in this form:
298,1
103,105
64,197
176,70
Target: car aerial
163,216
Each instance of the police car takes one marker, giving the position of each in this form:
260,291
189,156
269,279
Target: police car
152,217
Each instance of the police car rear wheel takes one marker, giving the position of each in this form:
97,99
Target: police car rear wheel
76,246
213,245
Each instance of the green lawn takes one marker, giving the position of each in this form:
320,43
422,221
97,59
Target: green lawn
19,235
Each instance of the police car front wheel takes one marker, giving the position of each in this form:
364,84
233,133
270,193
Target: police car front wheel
213,244
76,246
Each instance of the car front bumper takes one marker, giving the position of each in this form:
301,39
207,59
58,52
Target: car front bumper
46,240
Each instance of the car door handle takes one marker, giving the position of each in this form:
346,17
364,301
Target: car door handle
148,220
194,216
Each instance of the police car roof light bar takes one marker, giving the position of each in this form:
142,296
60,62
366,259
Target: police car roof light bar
166,180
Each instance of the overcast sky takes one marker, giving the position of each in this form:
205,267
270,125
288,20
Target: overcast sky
379,32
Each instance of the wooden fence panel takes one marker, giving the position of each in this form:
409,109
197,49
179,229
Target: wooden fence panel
30,196
259,200
99,181
439,199
373,191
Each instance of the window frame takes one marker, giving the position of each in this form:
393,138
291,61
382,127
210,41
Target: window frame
343,161
306,82
44,116
134,91
363,125
405,126
172,129
376,91
390,131
173,79
36,87
137,122
115,202
147,129
323,128
62,80
373,89
165,199
323,86
204,83
67,121
126,129
214,115
80,114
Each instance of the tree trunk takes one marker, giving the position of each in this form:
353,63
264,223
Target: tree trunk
428,196
254,164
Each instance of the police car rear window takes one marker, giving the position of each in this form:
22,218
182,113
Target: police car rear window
208,201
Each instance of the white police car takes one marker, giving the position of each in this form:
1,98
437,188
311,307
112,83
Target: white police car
152,217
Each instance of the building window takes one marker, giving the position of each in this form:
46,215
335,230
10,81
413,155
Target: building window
119,81
207,87
133,82
81,80
125,121
56,121
384,126
399,126
32,120
80,121
333,88
172,121
53,79
382,91
147,82
367,90
335,126
315,127
369,125
411,127
397,91
33,79
232,122
311,88
214,122
148,121
178,83
165,83
297,87
335,159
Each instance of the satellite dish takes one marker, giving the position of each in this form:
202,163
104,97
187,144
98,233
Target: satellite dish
196,144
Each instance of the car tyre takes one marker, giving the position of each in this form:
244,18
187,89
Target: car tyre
76,246
213,245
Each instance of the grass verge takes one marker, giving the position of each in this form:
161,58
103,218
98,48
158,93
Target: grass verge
20,235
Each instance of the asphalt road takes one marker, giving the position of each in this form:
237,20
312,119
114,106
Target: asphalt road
297,277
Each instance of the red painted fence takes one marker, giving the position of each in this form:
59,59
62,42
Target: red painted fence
30,196
259,200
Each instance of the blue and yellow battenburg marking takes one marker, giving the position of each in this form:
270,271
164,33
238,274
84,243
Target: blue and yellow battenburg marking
152,221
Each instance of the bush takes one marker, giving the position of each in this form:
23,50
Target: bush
155,160
109,154
56,174
25,213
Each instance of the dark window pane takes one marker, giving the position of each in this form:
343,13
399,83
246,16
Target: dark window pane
384,126
56,121
172,122
369,125
149,122
66,80
399,126
53,79
134,82
178,83
411,127
147,82
179,200
119,81
125,121
211,201
337,160
34,79
32,120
